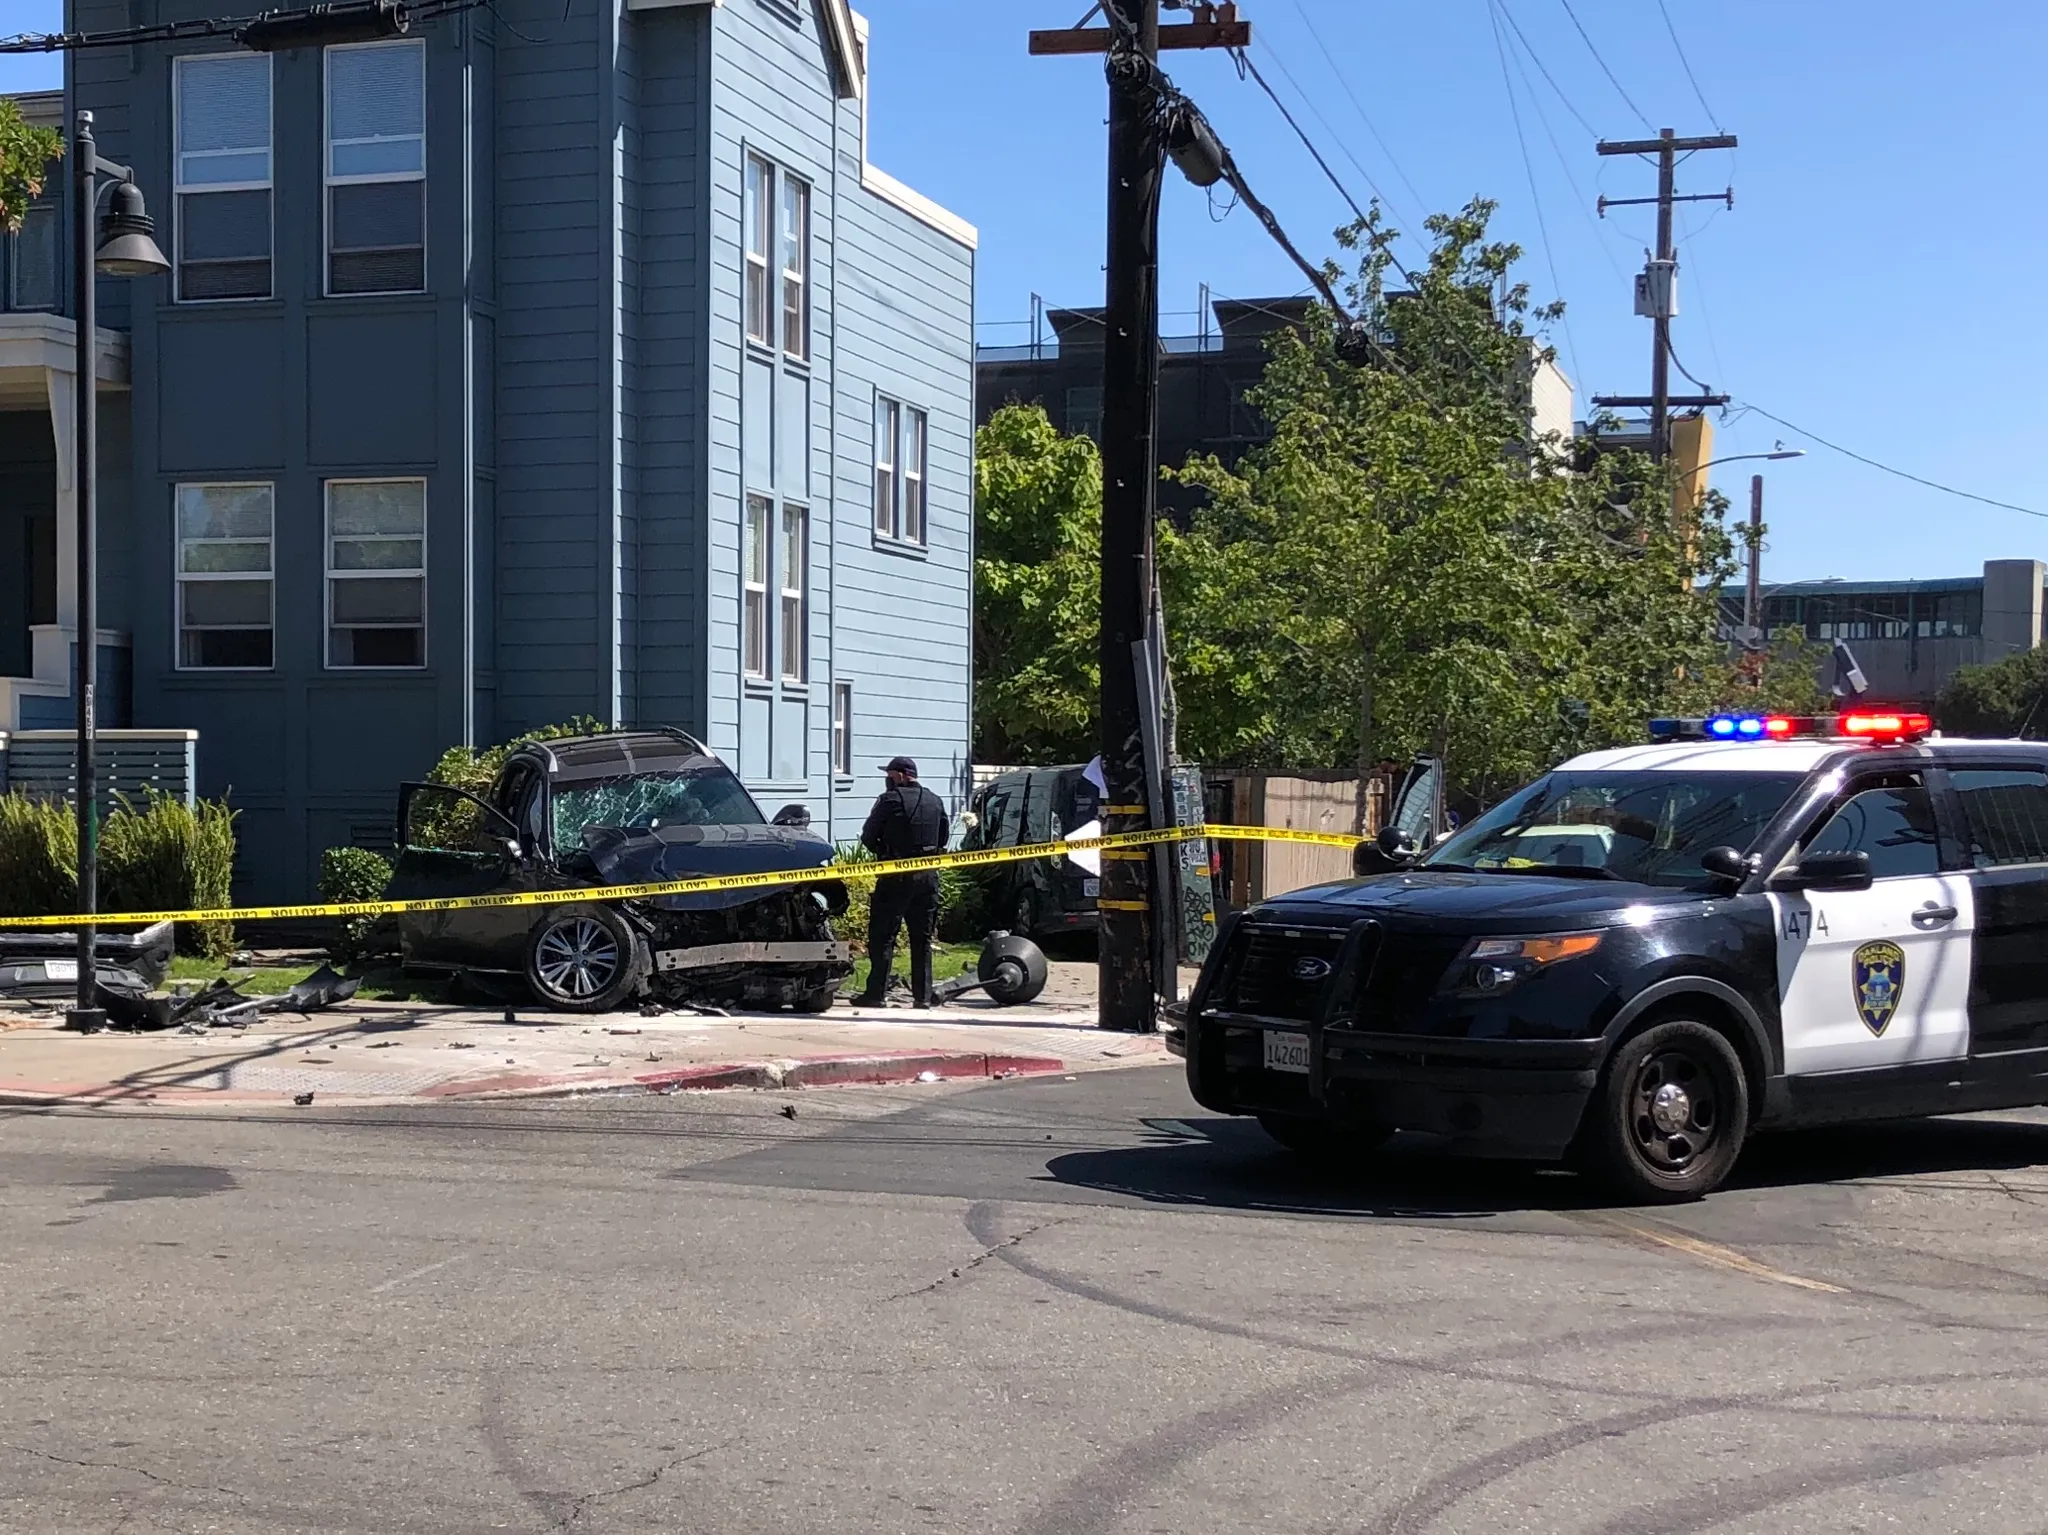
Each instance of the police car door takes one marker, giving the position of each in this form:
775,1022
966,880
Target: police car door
1877,977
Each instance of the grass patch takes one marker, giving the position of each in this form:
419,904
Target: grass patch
948,961
381,983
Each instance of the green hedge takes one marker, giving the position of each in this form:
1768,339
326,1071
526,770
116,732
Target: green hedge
357,874
960,900
163,855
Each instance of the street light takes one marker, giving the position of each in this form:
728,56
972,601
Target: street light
1752,595
125,249
1736,458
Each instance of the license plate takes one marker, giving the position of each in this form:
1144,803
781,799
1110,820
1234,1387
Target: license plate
1286,1051
60,969
1091,888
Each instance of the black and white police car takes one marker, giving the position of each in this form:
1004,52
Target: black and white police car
1653,952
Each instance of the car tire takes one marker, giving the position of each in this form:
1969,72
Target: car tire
818,999
1670,1116
1325,1143
585,959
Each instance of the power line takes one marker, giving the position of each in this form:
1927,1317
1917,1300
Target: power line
404,14
1537,60
1580,201
1948,490
1329,56
1665,11
1500,48
1245,65
1587,38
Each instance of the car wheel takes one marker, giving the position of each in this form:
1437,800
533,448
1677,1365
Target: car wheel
1320,1141
818,999
585,959
1671,1114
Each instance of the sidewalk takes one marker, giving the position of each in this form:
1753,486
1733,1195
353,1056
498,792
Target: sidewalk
382,1052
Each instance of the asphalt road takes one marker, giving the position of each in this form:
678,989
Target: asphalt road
1051,1308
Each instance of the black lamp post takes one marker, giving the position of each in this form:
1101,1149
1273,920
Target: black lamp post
124,249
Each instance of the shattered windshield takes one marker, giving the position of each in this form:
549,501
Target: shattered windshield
1648,828
698,796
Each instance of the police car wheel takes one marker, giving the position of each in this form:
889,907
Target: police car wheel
1671,1115
1318,1140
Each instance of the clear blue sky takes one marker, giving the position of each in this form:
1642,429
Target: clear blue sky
1875,282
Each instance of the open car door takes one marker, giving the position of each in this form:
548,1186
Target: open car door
451,843
1415,815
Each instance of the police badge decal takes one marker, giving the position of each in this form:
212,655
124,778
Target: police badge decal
1880,980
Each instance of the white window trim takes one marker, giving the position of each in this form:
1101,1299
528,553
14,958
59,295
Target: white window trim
180,577
756,668
903,415
800,594
765,223
179,189
842,729
802,277
917,431
888,524
329,575
329,181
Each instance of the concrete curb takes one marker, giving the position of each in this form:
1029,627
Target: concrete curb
874,1069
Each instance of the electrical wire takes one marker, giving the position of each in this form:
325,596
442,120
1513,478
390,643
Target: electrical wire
1580,201
212,26
1500,48
1700,95
1359,106
1537,59
1947,490
1587,38
1245,65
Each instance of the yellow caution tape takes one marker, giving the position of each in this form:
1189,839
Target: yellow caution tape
766,878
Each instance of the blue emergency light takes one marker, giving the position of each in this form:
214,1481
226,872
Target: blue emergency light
1859,724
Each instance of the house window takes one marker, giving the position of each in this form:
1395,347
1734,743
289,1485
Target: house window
913,475
32,274
376,573
759,213
796,267
796,565
842,729
900,451
754,618
377,168
221,108
225,612
888,421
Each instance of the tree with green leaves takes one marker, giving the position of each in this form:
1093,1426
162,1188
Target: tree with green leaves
1037,590
26,155
2003,698
1401,568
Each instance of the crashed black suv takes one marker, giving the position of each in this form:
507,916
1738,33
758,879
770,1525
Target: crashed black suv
626,808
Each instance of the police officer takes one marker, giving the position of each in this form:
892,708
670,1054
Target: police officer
907,820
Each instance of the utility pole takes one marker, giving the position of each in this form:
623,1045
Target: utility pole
1657,288
1752,596
1126,913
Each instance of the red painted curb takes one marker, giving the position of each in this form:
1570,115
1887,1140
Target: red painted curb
908,1066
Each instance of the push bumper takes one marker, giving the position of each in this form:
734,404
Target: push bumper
711,955
1488,1097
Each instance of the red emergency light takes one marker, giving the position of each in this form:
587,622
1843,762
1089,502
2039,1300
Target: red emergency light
1884,725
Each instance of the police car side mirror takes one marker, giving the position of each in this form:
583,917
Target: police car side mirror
796,817
1826,871
1727,863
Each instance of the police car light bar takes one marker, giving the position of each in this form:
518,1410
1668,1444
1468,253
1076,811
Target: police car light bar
1860,725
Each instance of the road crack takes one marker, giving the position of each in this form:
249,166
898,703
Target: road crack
582,1504
114,1465
975,1262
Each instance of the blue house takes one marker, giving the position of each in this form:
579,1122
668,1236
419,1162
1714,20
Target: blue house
520,368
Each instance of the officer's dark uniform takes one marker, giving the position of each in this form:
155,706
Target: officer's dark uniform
907,820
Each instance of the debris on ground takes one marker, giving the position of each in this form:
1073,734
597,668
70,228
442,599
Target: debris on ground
130,1002
147,953
302,1099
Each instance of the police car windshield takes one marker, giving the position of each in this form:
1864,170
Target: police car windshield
701,796
1645,827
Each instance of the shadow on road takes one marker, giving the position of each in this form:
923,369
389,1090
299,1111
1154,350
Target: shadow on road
1230,1164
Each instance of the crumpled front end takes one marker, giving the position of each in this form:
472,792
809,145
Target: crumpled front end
776,949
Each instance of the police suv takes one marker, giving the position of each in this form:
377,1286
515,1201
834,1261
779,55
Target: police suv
1650,953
